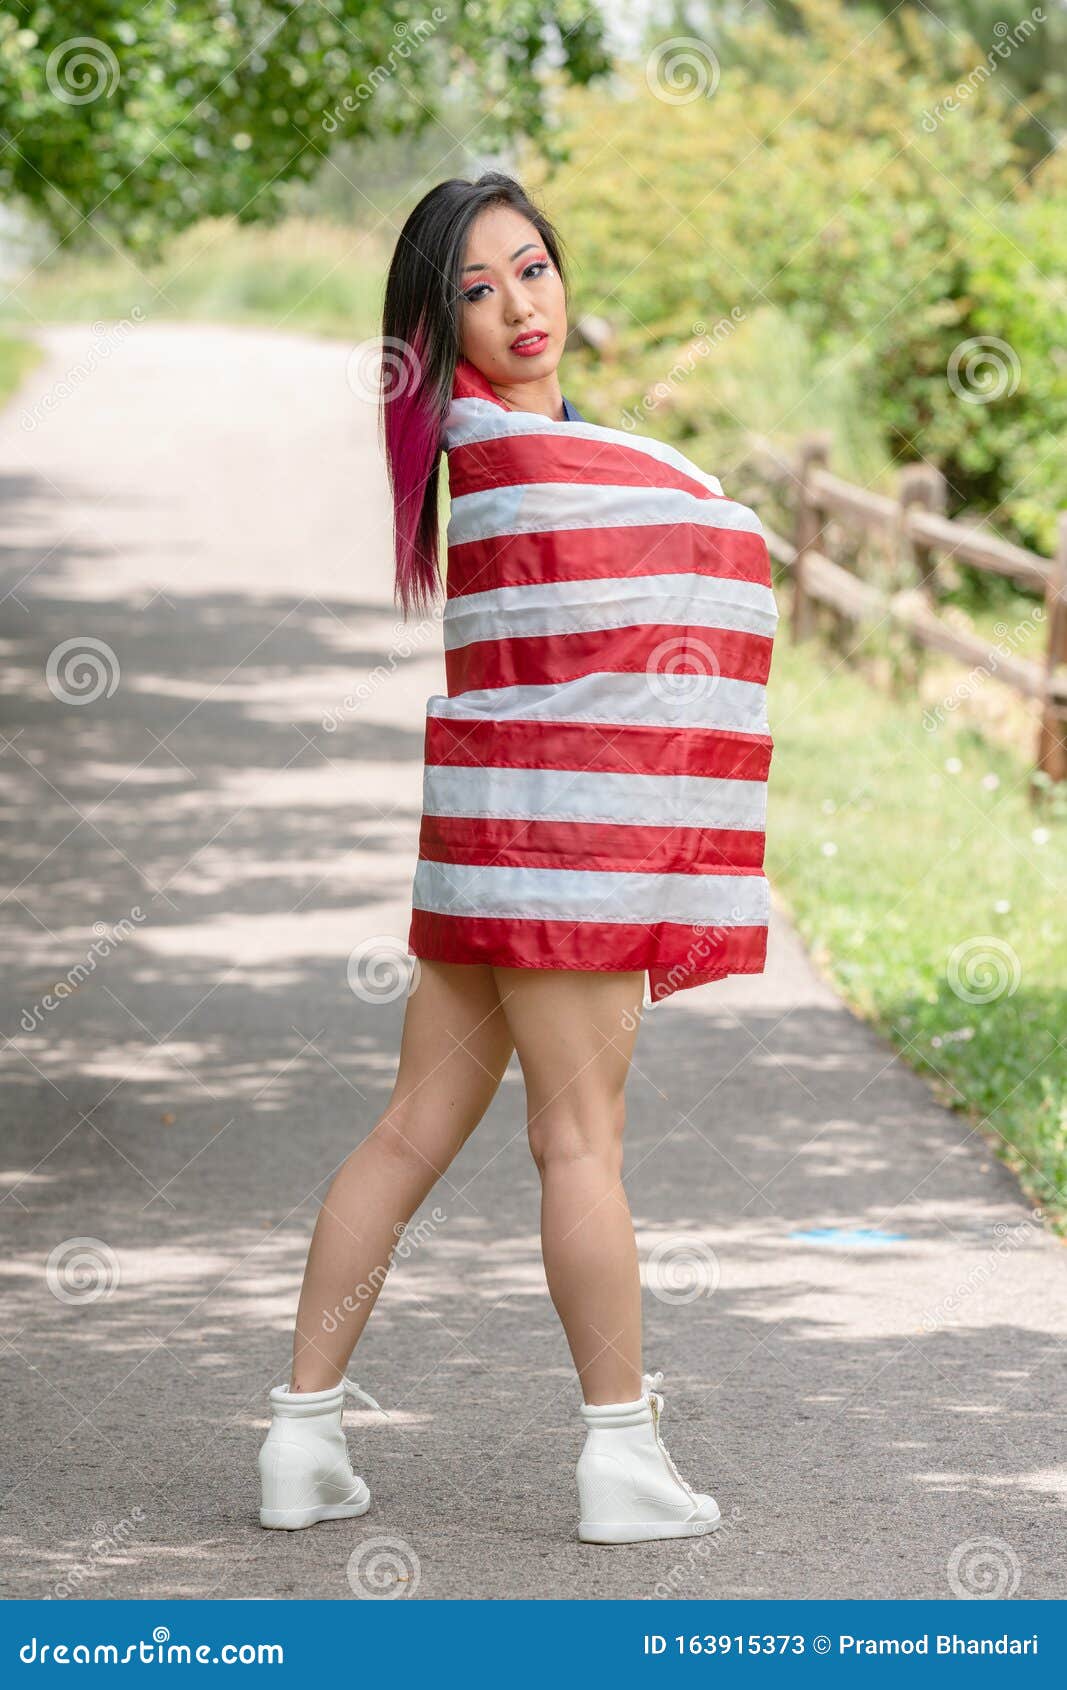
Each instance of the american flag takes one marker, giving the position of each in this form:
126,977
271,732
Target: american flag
595,778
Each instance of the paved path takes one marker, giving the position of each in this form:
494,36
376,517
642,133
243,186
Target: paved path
869,1410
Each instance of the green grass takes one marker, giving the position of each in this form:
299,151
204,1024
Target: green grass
17,359
304,273
923,881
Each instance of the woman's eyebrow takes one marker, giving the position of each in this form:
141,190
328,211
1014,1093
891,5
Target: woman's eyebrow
514,255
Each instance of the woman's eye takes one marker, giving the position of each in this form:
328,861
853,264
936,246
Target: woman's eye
537,268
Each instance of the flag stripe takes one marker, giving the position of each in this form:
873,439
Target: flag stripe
474,421
739,898
739,706
697,953
674,660
569,795
611,747
540,507
701,601
509,560
558,844
538,458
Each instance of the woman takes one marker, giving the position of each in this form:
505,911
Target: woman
543,894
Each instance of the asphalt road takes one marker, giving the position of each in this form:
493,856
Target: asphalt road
859,1323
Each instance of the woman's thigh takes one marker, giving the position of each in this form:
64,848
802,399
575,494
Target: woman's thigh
574,1032
454,1049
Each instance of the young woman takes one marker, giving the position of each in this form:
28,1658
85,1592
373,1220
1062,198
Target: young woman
580,560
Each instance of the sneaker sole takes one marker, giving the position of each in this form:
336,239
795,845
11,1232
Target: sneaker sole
642,1532
291,1519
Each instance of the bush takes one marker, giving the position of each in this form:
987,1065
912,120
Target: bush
832,181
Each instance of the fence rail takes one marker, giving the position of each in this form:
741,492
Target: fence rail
919,535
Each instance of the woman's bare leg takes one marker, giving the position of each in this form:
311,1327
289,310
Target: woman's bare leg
575,1033
454,1049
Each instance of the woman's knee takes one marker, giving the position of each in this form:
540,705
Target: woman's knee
565,1134
425,1128
400,1134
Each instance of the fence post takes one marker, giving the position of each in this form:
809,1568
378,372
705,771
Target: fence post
1052,738
915,561
814,453
924,485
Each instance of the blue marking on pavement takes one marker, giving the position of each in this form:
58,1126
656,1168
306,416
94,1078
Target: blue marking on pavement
846,1235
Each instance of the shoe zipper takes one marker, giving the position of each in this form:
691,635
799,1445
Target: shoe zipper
655,1402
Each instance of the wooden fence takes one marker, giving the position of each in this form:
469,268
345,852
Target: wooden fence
914,530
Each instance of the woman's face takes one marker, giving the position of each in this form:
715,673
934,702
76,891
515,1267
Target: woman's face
509,288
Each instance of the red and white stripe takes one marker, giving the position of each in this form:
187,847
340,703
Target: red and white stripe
595,781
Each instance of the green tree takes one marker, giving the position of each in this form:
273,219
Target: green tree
846,184
1025,47
137,119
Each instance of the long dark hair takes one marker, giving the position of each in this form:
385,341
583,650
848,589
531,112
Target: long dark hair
420,351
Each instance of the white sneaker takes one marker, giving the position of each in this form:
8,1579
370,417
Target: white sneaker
304,1469
629,1489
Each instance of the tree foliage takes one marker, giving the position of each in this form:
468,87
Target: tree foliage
136,118
843,183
